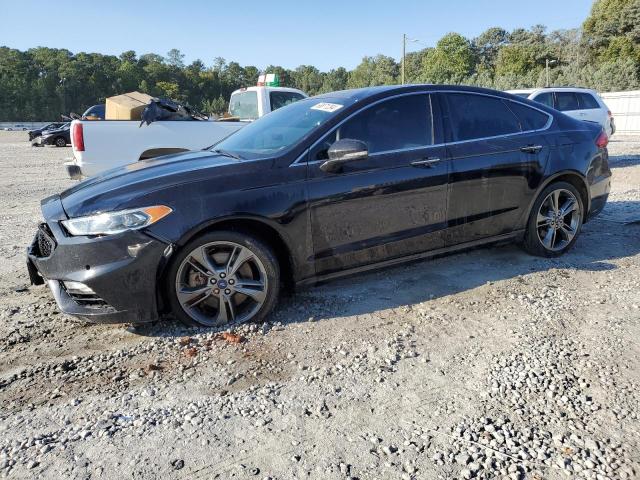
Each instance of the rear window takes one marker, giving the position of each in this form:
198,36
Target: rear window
478,116
530,118
244,105
566,101
587,101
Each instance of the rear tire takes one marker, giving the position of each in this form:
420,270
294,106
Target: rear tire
555,221
221,279
61,142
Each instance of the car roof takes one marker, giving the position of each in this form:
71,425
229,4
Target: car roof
357,94
552,89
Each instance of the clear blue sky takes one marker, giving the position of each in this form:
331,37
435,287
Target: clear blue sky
324,33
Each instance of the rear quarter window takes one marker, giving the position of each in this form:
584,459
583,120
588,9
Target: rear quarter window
587,101
530,118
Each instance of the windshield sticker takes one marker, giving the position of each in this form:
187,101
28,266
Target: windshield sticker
327,107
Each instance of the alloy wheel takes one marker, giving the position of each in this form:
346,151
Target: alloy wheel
60,142
558,220
221,283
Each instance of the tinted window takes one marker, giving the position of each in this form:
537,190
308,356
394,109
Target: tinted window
280,99
402,122
478,116
545,98
587,102
566,101
530,119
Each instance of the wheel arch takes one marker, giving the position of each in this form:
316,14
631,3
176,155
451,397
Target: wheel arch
258,227
573,177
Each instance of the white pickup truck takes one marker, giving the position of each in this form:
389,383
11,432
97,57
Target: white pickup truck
100,145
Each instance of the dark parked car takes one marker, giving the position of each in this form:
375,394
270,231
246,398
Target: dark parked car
94,113
329,185
33,134
60,137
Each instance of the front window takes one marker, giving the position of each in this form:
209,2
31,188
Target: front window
244,105
281,129
396,124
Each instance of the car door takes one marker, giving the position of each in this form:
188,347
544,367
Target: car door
388,205
498,154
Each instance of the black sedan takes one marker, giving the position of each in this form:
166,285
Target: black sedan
60,137
330,185
33,134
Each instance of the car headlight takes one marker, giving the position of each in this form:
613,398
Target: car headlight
110,223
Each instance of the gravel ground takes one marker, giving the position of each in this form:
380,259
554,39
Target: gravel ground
486,364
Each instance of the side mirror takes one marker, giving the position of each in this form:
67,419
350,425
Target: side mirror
343,151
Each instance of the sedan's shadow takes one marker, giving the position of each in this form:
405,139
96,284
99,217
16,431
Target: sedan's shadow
600,243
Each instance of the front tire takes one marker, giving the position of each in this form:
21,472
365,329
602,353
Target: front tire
223,278
555,221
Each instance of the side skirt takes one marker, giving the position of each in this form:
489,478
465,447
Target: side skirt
508,237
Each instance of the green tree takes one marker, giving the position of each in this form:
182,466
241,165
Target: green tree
450,61
335,79
487,45
378,70
612,30
308,79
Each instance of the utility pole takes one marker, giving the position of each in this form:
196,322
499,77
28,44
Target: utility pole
404,51
64,94
404,55
549,62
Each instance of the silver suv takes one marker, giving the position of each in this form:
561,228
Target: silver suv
580,103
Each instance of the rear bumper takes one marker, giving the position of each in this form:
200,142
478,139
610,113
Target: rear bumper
120,269
599,177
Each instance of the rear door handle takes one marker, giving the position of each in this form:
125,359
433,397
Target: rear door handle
531,148
426,163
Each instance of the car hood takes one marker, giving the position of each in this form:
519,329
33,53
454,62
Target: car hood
128,186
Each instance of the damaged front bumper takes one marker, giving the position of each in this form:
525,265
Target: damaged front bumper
107,279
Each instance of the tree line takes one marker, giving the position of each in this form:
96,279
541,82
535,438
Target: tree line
41,83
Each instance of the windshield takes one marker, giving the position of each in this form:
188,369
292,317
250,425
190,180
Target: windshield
244,105
281,129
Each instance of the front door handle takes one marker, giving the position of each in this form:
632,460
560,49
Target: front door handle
531,148
426,163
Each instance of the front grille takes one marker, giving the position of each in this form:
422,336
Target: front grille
44,244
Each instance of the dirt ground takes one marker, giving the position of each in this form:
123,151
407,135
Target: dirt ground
485,364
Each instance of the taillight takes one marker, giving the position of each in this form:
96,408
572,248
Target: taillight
603,140
78,137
